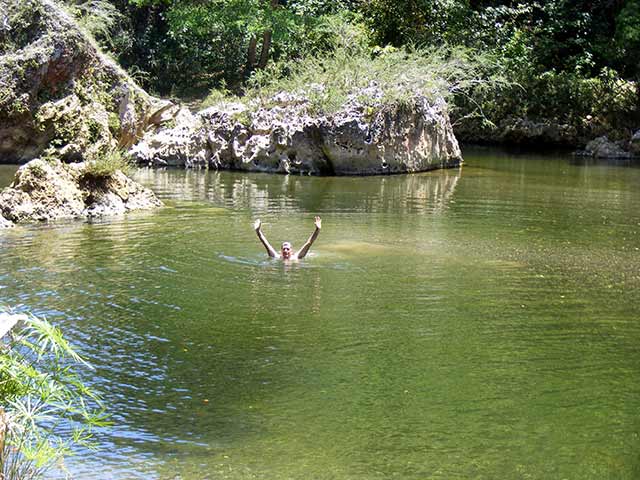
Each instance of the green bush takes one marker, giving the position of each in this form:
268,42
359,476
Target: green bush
605,103
350,66
104,166
45,408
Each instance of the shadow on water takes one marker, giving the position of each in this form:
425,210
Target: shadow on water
605,162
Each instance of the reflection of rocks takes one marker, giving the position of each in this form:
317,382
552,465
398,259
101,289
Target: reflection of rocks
47,190
287,138
426,192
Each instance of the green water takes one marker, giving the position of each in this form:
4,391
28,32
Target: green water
477,323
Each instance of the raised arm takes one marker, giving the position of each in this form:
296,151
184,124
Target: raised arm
305,248
263,239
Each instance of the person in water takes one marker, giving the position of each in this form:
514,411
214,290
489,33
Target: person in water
286,251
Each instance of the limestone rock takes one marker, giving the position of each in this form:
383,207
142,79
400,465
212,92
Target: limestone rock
602,147
285,137
48,190
4,223
58,91
119,194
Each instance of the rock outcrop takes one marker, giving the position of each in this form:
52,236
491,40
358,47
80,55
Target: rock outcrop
48,190
58,91
602,147
285,137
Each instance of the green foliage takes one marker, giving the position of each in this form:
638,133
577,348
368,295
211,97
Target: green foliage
627,36
104,166
98,17
45,407
190,46
352,70
114,124
219,97
421,22
559,57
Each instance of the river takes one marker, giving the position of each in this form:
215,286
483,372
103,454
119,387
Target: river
481,322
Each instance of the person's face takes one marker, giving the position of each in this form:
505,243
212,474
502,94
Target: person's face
286,250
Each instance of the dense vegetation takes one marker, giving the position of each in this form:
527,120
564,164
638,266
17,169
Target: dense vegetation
567,62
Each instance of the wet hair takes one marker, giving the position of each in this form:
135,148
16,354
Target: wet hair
288,244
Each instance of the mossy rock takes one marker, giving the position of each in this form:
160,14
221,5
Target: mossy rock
58,92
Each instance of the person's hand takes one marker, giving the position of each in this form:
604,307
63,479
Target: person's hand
318,222
257,224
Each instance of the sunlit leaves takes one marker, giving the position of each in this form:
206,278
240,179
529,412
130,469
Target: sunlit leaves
47,405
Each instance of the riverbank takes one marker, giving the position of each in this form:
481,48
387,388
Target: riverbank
353,111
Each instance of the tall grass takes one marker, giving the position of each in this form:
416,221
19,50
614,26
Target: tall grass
97,17
105,165
351,70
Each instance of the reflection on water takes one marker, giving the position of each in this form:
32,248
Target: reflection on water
475,323
277,193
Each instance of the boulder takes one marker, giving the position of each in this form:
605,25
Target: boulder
285,136
59,93
48,190
634,143
602,147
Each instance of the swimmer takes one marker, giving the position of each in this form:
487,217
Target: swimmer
286,252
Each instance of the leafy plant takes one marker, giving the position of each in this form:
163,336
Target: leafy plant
105,165
97,17
45,408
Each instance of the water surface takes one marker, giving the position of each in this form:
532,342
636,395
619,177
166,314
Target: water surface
478,323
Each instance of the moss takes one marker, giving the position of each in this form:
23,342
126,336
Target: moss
37,170
243,117
114,124
24,14
94,130
171,123
75,105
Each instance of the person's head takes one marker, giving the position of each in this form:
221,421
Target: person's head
286,250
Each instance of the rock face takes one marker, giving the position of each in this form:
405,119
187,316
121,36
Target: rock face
284,137
48,190
57,90
522,131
